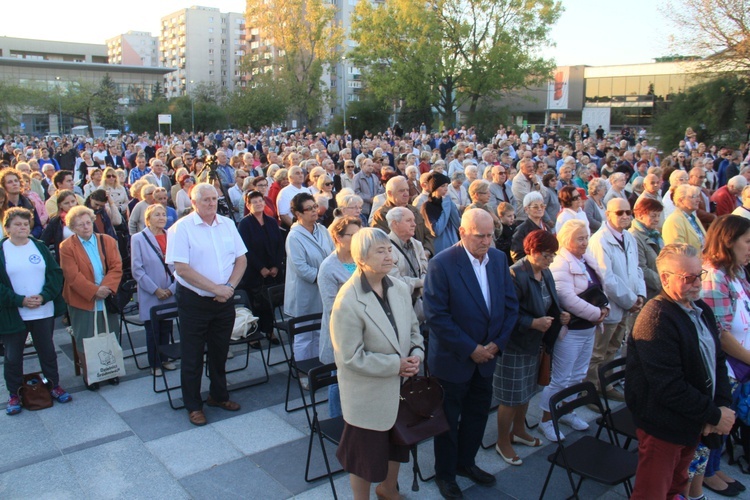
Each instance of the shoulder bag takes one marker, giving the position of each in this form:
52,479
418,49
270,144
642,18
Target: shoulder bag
420,411
595,296
34,392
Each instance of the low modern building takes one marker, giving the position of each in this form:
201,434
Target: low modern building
50,66
604,95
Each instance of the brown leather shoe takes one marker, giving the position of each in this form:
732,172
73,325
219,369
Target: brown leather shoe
197,417
224,405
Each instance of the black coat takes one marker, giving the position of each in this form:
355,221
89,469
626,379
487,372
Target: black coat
265,248
522,231
665,382
525,339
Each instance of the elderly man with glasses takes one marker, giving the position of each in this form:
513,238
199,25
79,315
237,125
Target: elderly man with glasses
616,253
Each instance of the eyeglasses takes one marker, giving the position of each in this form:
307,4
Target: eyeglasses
537,207
548,256
328,184
689,279
111,176
575,198
620,213
310,208
261,185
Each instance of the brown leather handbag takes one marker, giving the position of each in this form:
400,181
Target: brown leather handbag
420,411
34,392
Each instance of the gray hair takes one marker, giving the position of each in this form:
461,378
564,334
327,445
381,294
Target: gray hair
293,170
531,197
673,250
596,184
568,230
390,186
479,186
617,176
472,168
410,169
197,193
396,214
346,198
458,176
321,200
364,240
683,191
737,183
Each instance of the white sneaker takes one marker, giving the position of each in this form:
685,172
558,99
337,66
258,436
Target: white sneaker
548,430
574,421
169,366
156,372
230,355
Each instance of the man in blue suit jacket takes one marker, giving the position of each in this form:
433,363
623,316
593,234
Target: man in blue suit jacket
471,308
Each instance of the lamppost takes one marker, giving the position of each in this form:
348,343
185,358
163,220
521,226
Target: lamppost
59,109
192,109
343,89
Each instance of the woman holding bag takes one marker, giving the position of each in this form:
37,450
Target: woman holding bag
92,268
156,285
376,341
539,320
30,285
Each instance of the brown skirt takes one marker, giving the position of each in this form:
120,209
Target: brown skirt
366,453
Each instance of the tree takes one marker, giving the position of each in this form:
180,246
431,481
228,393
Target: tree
371,113
304,37
12,98
262,104
446,54
717,29
716,110
106,104
79,100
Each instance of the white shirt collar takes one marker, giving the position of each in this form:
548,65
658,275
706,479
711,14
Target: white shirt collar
475,262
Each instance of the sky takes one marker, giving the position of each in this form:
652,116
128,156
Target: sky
588,32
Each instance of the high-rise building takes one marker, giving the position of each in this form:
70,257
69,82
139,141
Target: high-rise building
202,45
134,48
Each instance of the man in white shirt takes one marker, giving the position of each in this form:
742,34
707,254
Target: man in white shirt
284,200
236,195
209,260
158,177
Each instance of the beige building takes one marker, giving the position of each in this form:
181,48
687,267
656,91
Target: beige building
51,66
134,48
202,45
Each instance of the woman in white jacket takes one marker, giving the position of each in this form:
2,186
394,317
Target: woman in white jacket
575,270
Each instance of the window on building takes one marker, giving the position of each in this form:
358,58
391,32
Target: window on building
210,30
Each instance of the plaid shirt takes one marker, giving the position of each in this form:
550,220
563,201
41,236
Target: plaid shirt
720,292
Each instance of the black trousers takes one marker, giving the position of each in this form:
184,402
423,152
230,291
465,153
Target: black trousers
470,402
41,331
204,322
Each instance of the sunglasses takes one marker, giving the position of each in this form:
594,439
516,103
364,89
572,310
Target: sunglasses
620,213
328,184
110,176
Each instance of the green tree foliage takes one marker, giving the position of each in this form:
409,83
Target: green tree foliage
106,106
371,114
13,97
145,117
263,104
445,54
304,37
717,110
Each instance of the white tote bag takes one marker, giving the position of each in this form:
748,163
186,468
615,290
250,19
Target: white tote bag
103,354
244,323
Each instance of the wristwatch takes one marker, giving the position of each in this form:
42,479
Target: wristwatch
230,285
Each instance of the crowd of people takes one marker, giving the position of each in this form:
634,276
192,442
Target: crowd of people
475,258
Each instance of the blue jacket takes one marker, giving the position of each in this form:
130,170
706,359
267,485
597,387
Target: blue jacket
457,315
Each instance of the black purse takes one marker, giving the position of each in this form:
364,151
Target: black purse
113,303
595,296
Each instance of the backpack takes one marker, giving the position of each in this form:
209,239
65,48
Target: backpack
740,435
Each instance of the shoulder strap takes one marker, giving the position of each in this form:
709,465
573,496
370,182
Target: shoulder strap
408,261
104,251
158,253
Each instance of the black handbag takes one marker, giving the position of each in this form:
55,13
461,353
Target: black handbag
595,296
420,411
113,303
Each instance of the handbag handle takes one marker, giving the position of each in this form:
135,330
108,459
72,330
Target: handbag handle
96,322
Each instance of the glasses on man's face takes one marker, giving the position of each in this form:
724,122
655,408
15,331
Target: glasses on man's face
261,185
621,213
537,207
310,208
689,279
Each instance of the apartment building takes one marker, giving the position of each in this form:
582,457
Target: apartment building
202,45
134,48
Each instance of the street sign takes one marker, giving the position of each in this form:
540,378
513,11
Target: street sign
165,119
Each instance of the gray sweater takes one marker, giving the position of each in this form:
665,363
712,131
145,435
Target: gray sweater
331,276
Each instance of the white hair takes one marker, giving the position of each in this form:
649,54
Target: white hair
396,214
197,193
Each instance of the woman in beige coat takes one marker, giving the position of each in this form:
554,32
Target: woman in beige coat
376,341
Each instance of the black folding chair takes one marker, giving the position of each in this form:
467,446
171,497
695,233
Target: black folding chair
620,422
588,457
166,312
298,326
329,429
275,295
128,312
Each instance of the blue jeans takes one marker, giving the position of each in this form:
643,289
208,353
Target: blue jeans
334,401
714,462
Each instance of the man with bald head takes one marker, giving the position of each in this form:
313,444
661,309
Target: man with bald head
471,307
397,195
616,253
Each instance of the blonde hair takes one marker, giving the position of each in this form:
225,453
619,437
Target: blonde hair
76,212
